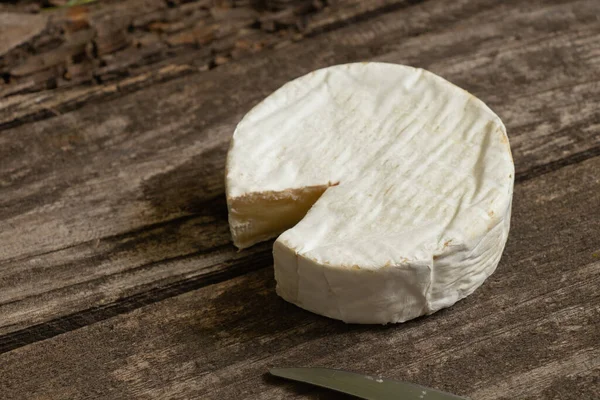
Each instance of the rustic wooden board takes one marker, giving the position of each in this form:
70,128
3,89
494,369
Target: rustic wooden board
103,42
120,204
87,50
531,331
412,20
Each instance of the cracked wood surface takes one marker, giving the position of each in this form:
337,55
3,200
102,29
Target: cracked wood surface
117,276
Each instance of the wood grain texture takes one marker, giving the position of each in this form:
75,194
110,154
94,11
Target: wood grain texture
81,53
101,42
18,28
125,197
417,20
531,331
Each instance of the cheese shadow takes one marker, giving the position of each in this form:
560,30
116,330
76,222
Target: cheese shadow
190,187
251,307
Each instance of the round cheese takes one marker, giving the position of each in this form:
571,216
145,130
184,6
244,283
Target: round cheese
389,187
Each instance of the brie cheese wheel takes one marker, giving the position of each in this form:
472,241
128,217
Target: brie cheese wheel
389,187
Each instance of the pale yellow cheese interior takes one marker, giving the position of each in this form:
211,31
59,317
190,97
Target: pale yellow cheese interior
260,216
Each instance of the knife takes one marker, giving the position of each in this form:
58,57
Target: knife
365,387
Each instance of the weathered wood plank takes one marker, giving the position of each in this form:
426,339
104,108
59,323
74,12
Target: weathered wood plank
120,37
137,61
99,45
126,196
18,28
530,332
345,12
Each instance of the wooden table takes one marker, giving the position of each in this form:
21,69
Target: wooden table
117,275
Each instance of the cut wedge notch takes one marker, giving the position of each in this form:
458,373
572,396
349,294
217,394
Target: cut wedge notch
260,216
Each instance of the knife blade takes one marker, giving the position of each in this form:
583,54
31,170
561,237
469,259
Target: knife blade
362,386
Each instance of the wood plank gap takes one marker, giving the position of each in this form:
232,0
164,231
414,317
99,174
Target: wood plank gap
71,322
377,12
131,270
121,235
558,164
98,94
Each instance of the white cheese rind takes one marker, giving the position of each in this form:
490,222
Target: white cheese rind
418,177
